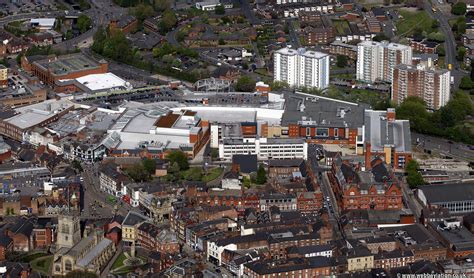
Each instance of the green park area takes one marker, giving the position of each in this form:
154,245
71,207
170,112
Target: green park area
413,20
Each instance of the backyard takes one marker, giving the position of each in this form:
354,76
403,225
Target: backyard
342,27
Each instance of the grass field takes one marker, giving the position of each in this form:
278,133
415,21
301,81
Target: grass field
119,261
412,20
42,265
212,174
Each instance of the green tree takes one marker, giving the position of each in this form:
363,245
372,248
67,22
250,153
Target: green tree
412,165
168,21
149,165
180,158
245,84
440,50
380,37
162,5
279,85
414,178
459,8
437,37
99,39
221,41
116,46
434,24
341,61
77,166
466,83
461,51
220,9
84,23
142,11
414,109
261,175
138,173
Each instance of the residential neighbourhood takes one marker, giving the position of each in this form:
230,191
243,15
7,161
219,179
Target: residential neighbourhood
236,138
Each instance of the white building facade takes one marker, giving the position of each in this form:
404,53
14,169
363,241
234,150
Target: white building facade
301,68
376,60
264,148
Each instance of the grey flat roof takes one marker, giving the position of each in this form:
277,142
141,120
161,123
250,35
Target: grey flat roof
443,193
325,111
380,132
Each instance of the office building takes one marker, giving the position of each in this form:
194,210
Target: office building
427,83
376,60
301,68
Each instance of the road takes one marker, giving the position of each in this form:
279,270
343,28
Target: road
450,43
26,16
443,146
99,18
321,175
295,40
410,201
249,14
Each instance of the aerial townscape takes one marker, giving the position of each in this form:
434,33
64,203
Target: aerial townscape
236,138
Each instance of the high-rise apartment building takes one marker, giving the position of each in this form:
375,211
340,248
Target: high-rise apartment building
3,76
376,60
301,68
430,84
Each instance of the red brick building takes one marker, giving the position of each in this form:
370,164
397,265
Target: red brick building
309,202
357,189
311,267
126,24
55,68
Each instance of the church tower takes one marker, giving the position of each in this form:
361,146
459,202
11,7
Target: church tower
69,231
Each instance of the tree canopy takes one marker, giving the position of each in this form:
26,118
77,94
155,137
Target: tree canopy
142,11
84,23
414,178
245,84
448,121
180,158
261,175
459,8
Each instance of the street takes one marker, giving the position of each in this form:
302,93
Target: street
450,42
443,146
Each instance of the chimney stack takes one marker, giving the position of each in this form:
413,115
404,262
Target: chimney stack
390,114
368,155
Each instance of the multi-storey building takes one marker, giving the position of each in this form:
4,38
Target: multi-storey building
3,76
112,181
357,189
387,137
430,84
301,68
376,60
264,148
55,68
285,202
340,48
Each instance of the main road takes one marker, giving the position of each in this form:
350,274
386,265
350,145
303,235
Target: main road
450,42
444,146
